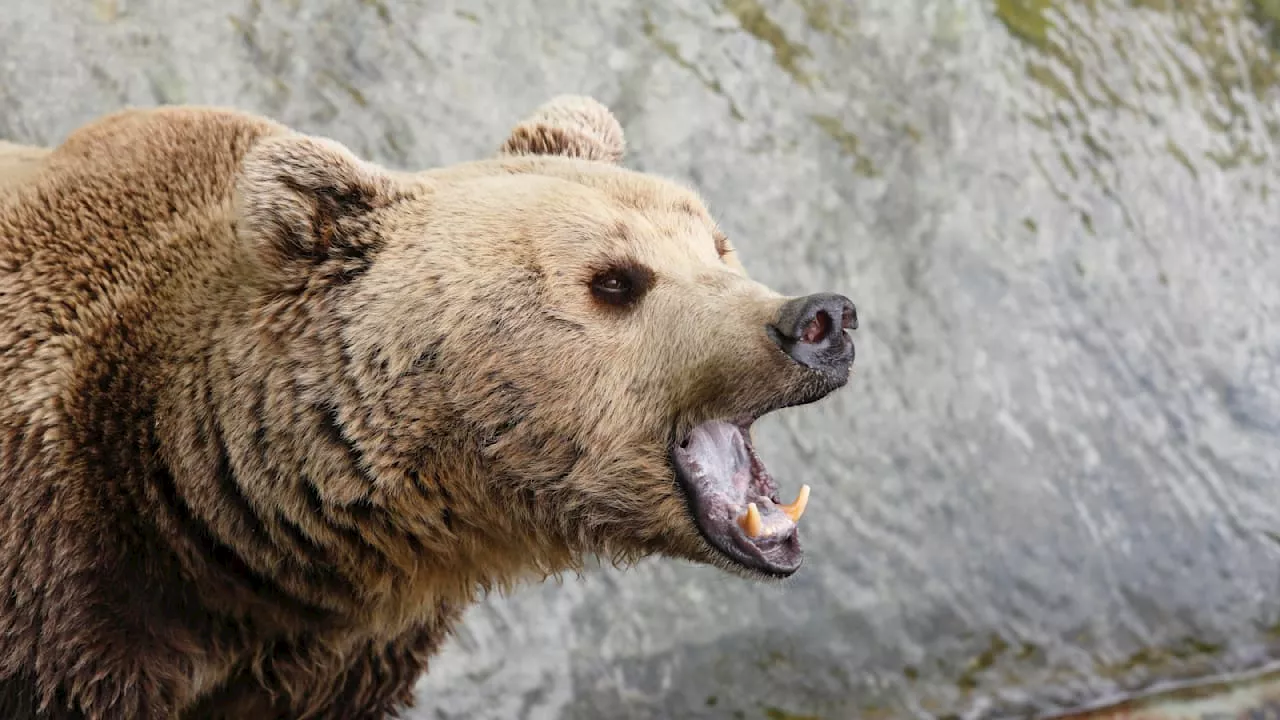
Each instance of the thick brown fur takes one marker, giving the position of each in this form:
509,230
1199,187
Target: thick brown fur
271,416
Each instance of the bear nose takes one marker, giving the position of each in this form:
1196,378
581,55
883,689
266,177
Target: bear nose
810,330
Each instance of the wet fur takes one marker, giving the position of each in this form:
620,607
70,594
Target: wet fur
264,432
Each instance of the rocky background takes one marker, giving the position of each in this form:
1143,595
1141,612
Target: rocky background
1055,476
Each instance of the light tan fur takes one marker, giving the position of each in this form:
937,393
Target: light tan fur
18,163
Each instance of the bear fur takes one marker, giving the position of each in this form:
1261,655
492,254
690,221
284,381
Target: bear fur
18,162
272,417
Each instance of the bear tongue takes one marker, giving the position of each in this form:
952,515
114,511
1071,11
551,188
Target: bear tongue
731,492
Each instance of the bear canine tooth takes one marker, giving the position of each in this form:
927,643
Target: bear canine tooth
751,523
796,509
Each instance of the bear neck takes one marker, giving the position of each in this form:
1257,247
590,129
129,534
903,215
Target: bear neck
293,474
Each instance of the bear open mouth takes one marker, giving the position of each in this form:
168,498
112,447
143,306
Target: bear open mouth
734,499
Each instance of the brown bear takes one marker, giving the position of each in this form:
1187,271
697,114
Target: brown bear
272,416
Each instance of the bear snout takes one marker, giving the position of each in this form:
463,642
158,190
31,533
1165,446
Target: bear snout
811,331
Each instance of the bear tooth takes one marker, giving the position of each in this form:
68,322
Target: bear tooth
751,523
796,509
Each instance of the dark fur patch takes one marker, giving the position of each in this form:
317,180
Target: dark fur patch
722,243
20,700
331,426
446,515
427,359
550,140
621,285
415,479
494,435
337,203
304,542
338,233
352,538
226,559
231,493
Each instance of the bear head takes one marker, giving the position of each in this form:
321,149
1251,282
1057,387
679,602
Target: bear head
542,355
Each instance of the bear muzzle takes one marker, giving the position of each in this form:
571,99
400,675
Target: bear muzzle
733,499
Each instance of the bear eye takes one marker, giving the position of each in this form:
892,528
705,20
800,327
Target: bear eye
613,284
621,286
612,287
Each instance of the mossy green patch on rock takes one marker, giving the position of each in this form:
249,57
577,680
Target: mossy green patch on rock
829,18
380,7
1156,658
984,661
1267,14
351,90
753,18
773,713
848,142
1224,67
1026,19
668,48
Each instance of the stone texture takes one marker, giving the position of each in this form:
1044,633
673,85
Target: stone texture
1053,478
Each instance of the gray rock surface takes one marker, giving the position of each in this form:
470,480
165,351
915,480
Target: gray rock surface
1054,475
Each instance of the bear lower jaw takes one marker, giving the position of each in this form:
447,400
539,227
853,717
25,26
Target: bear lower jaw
735,501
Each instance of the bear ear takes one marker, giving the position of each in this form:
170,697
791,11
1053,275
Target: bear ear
570,126
305,200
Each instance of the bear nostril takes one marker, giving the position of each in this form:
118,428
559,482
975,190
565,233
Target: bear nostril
817,329
849,319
